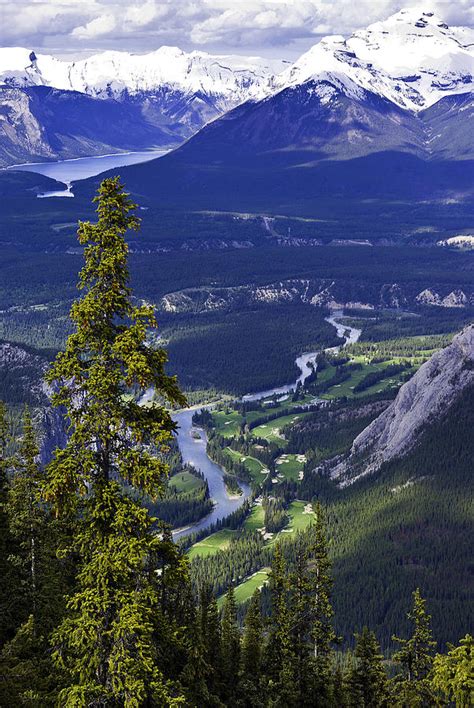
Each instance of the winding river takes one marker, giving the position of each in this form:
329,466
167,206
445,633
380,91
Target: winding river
193,448
192,442
193,451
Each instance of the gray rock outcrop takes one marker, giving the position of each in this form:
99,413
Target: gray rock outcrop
420,401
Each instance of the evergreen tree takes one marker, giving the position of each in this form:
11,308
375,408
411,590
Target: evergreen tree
368,685
27,517
8,584
320,608
27,677
194,676
302,618
230,635
211,641
108,644
453,673
280,659
252,641
251,659
41,578
412,686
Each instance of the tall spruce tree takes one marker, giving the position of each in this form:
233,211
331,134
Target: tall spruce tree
40,581
280,659
251,655
367,683
211,642
412,687
320,608
301,623
7,583
109,642
230,634
27,516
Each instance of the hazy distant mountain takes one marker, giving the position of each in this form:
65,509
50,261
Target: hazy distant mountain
40,123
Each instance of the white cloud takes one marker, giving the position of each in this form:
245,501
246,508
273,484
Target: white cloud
143,14
99,26
247,25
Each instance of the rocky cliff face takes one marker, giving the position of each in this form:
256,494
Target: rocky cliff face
317,292
41,123
22,137
422,400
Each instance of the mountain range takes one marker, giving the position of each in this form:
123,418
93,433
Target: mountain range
384,115
51,108
404,84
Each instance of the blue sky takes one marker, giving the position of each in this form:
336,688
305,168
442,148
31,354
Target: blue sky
273,28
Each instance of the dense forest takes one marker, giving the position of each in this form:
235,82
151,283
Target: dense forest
99,607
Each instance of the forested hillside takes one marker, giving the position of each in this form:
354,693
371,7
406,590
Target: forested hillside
99,607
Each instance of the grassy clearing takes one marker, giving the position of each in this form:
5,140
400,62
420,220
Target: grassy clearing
271,431
255,519
290,466
256,469
245,590
346,388
301,516
227,424
288,403
210,545
185,482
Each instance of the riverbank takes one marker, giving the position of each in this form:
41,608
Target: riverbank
194,448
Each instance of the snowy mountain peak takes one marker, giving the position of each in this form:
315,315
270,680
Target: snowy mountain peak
112,73
413,58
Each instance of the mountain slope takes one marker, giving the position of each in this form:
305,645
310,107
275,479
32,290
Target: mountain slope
40,123
428,395
286,154
410,525
173,89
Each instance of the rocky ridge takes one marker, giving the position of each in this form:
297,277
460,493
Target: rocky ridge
421,400
316,292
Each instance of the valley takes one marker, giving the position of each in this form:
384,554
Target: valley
258,430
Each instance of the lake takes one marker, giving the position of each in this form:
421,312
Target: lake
69,171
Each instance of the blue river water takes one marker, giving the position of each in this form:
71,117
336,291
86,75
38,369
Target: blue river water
192,441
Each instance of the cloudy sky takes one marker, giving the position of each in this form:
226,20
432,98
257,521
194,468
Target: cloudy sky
274,28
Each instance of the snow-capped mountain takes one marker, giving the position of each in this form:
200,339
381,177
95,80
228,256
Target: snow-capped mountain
343,98
413,59
112,74
172,93
387,114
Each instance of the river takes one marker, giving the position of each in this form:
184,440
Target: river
69,171
193,449
192,442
